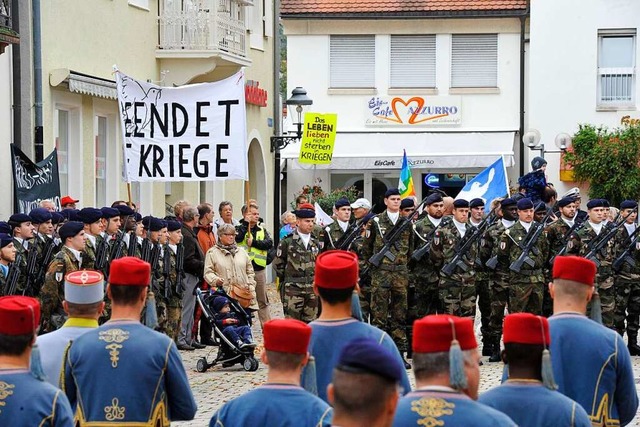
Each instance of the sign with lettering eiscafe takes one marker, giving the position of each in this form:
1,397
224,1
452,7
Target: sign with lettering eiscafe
254,94
629,121
414,111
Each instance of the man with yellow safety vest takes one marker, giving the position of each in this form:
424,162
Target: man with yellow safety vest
255,239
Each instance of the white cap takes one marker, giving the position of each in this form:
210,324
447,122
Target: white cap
361,203
574,192
84,287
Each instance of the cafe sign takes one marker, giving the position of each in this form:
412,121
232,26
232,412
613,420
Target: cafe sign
414,111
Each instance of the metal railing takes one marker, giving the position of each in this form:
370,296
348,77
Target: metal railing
616,85
5,13
203,25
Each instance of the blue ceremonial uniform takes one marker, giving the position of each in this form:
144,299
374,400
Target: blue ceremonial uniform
124,373
328,339
592,366
530,404
443,406
53,345
26,401
275,405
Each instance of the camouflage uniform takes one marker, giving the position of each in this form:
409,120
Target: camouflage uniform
627,287
332,233
579,245
295,267
89,256
557,237
169,309
424,275
525,287
458,291
3,282
483,293
499,280
52,294
318,233
389,281
21,254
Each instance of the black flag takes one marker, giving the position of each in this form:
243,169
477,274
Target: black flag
34,182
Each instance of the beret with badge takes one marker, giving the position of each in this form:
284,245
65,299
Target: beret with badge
70,229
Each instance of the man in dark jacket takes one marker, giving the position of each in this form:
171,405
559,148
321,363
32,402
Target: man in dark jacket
194,269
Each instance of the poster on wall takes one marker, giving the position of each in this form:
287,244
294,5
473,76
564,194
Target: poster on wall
188,133
318,138
415,111
34,182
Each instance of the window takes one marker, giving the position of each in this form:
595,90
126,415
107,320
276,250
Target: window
62,145
352,61
474,60
413,61
616,67
101,161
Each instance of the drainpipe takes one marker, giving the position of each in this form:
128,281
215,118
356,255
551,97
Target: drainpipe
277,116
37,82
17,77
523,21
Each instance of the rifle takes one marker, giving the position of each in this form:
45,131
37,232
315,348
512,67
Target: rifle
391,238
133,242
529,240
179,269
470,238
596,245
419,253
13,276
354,230
145,250
47,256
483,226
625,257
101,255
32,268
166,269
565,239
118,246
154,260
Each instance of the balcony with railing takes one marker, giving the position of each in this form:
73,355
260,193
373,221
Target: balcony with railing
203,29
7,34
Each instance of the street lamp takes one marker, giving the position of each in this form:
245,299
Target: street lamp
298,98
563,141
532,140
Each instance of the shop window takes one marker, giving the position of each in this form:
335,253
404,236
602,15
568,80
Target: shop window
352,61
474,60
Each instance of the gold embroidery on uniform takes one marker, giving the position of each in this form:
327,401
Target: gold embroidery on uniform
602,416
114,412
115,337
431,409
5,391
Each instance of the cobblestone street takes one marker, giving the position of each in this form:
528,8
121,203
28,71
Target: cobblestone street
219,385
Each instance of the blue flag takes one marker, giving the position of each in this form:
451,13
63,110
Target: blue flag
488,184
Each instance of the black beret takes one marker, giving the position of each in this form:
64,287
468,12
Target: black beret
460,203
5,227
342,202
605,203
407,202
524,204
151,223
476,203
367,356
5,239
70,229
70,214
305,213
39,215
137,216
628,204
566,201
89,215
508,202
434,198
595,203
57,218
19,218
125,210
391,192
541,207
173,225
108,213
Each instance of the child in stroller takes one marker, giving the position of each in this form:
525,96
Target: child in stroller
228,322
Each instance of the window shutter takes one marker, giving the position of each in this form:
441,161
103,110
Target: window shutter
352,61
413,61
474,60
268,18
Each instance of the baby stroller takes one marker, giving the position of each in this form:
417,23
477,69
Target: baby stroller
229,353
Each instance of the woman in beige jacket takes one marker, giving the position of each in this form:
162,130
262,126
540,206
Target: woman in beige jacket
228,266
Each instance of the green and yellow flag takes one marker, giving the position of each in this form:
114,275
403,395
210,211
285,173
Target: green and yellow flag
405,185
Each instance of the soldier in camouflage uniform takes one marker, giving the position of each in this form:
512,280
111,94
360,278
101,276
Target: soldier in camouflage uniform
295,267
558,233
499,279
318,231
424,275
7,256
627,281
41,219
168,300
67,260
483,294
22,235
338,228
361,211
390,280
525,286
91,218
457,291
579,245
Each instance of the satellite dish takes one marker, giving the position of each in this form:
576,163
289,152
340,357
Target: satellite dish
563,141
531,138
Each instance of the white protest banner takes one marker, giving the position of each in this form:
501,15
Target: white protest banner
189,133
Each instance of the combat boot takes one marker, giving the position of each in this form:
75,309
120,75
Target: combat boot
495,356
487,347
634,348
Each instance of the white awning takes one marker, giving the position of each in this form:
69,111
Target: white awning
83,83
440,150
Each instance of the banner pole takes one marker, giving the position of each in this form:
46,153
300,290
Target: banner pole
129,191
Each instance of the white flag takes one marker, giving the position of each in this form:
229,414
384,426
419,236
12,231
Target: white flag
322,218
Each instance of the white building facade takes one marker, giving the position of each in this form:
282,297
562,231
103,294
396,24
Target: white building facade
583,70
445,89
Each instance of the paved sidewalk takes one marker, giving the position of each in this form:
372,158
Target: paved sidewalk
219,385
